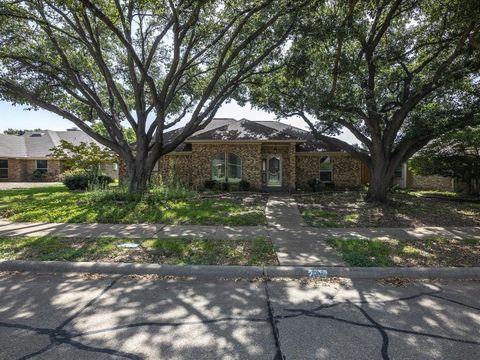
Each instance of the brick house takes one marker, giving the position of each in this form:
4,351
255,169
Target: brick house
268,154
22,155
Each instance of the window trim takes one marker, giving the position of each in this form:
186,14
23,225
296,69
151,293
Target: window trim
41,168
5,168
329,171
226,164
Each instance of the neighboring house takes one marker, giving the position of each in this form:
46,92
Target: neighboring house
21,155
267,154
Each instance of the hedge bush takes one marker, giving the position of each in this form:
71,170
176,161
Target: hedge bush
81,180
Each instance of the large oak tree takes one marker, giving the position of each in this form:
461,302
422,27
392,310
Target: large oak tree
147,65
396,73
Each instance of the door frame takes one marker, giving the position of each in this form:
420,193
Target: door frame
267,157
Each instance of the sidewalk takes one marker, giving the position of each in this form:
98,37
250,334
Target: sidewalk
131,231
296,243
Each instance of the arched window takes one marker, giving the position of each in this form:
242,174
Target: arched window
226,167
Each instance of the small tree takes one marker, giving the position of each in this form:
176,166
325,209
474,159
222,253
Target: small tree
456,154
86,156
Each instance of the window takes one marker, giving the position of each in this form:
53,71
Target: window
42,165
326,169
226,167
3,169
398,171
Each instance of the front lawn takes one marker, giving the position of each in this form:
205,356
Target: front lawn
57,204
348,209
436,251
187,251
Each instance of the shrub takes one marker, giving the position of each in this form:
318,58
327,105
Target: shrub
81,180
225,186
39,175
315,185
101,181
244,185
210,184
76,180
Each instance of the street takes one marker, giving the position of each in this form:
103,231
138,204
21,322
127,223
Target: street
97,317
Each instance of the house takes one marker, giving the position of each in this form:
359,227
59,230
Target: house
22,155
267,154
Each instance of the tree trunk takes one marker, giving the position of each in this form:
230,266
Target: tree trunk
379,183
138,176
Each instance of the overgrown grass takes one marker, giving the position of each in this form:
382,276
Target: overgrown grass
180,206
328,219
435,251
195,251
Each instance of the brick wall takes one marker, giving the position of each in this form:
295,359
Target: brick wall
22,169
433,182
195,167
346,170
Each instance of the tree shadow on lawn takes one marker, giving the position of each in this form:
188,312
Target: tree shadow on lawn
76,207
402,210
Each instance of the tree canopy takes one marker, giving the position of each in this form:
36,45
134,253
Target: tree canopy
395,73
146,65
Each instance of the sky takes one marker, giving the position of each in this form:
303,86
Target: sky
17,117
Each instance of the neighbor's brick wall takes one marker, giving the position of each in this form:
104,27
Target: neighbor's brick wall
346,170
54,169
22,170
433,182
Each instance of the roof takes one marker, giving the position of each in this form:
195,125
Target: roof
37,144
228,129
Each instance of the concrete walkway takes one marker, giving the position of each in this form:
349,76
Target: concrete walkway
282,213
296,244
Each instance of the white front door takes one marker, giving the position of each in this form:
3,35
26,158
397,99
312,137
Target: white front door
274,170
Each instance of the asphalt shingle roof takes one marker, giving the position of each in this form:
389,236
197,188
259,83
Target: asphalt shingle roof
37,144
227,129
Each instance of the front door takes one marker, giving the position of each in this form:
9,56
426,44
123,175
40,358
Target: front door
274,170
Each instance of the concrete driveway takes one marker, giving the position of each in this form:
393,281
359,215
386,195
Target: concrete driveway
86,317
25,185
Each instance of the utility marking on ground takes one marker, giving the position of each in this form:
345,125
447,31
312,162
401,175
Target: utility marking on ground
318,273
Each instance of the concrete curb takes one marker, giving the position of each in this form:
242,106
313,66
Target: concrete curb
229,272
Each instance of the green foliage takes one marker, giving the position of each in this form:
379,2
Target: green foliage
210,184
397,74
126,73
244,185
117,205
76,180
194,251
81,180
39,175
455,154
87,157
432,251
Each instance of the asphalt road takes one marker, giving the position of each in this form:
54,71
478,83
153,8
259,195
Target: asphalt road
87,317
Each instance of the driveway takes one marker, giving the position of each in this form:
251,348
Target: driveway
85,317
25,185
